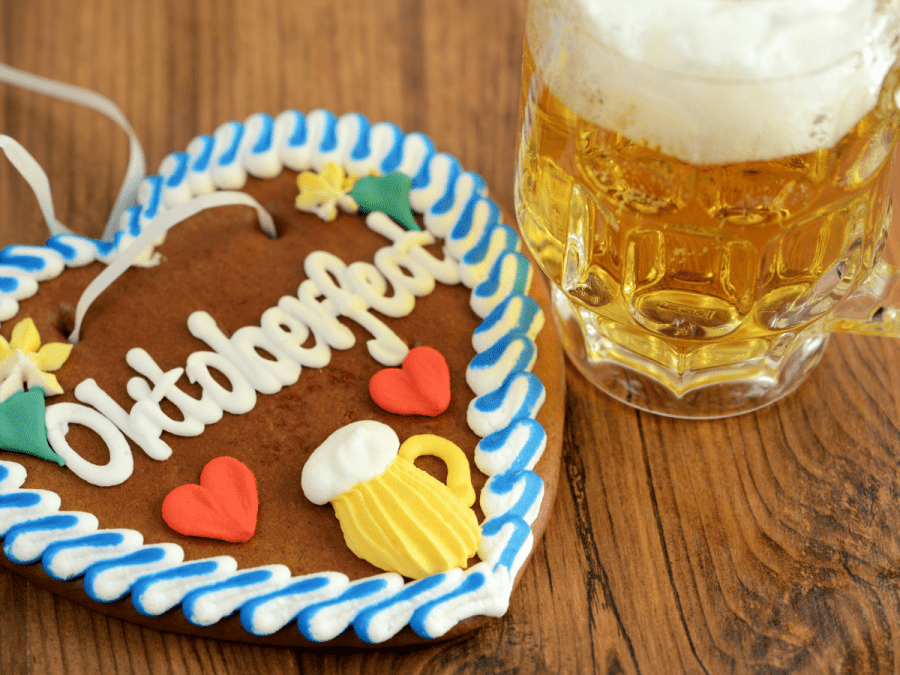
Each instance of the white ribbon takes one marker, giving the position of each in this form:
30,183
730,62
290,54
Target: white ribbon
32,171
162,223
34,175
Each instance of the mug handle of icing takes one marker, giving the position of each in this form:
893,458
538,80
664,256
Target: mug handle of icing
459,476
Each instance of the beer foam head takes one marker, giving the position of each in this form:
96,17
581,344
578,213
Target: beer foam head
717,81
353,454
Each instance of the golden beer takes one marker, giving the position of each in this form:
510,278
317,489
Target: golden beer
691,288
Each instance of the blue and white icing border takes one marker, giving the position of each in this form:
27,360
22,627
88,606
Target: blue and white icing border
487,257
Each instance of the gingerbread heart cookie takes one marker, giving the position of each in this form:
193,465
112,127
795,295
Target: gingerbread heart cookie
244,342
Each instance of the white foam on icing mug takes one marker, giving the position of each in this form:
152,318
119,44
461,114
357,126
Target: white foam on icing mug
717,81
353,454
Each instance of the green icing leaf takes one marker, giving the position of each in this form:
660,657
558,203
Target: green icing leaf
389,194
23,427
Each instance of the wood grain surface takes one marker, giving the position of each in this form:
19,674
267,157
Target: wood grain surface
768,543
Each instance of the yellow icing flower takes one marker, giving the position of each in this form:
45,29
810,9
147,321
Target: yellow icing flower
321,193
25,363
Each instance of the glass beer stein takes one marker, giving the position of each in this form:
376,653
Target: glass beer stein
707,185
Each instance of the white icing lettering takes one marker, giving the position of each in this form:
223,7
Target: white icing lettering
284,370
389,260
331,290
264,375
410,244
121,462
143,434
385,226
322,269
147,401
371,286
242,396
386,348
203,327
276,319
204,411
142,423
319,316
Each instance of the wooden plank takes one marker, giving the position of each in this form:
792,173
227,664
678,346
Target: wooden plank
765,543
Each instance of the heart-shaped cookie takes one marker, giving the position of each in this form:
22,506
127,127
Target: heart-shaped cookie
223,506
421,386
283,375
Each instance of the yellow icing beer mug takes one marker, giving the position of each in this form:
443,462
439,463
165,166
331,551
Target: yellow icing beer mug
707,185
393,514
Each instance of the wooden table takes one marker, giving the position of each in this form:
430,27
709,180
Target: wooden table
763,544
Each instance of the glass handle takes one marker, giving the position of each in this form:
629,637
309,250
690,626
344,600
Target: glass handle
874,308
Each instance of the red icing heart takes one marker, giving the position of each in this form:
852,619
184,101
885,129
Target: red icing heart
421,386
223,506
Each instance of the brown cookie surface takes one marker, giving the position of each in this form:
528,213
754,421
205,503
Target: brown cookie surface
220,262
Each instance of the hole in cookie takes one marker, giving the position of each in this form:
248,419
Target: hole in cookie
65,319
280,215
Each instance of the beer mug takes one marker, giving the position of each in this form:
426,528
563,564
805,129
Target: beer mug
393,514
707,185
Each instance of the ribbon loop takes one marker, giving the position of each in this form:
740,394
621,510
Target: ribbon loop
161,224
134,173
34,175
